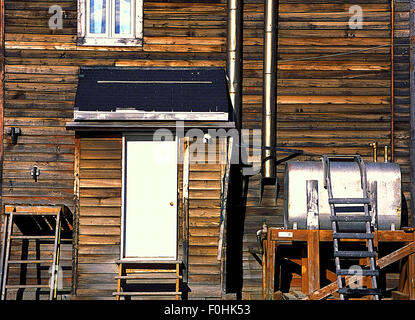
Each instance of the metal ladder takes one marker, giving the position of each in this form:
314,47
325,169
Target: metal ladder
30,213
352,218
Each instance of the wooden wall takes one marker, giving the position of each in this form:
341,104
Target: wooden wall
42,66
401,84
99,218
99,224
336,103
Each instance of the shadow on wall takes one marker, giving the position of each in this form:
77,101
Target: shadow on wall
238,187
404,212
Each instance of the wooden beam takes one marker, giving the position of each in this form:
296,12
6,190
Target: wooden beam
327,235
381,263
264,269
304,271
271,253
398,295
411,274
75,234
185,192
313,261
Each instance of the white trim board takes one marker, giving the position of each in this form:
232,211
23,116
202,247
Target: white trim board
149,115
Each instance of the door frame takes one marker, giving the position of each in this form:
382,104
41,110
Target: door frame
125,136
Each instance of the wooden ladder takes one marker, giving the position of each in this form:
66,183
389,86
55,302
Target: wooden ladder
146,278
41,216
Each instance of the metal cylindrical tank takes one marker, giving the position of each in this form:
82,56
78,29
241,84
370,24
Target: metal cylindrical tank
306,199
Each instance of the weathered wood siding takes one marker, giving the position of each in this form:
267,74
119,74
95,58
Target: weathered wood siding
99,224
334,104
205,187
98,243
329,100
401,84
42,66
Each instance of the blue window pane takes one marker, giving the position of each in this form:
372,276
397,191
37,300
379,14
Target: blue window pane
122,16
98,16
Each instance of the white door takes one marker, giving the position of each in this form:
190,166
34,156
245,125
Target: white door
150,220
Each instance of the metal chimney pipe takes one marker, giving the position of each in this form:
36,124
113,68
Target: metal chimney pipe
269,93
234,60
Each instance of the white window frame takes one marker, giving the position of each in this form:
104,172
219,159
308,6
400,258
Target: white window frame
135,38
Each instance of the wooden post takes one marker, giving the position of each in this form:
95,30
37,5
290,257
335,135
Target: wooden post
411,273
304,270
313,260
177,279
3,243
75,233
271,250
185,191
6,257
119,280
264,269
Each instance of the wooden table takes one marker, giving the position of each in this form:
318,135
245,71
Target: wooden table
311,265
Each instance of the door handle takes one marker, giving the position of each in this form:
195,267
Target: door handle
172,203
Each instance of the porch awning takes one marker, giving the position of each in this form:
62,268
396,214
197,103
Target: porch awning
130,93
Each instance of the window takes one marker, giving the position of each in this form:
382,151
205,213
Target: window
110,22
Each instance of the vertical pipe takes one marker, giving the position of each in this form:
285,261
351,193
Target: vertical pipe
392,89
269,93
234,57
2,72
412,106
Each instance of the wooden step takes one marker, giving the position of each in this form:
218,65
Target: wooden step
18,286
126,262
29,261
139,281
34,214
147,271
32,237
169,293
149,276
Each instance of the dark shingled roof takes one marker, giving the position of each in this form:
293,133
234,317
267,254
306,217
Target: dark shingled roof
152,89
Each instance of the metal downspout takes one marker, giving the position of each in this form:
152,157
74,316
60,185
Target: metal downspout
234,58
269,93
